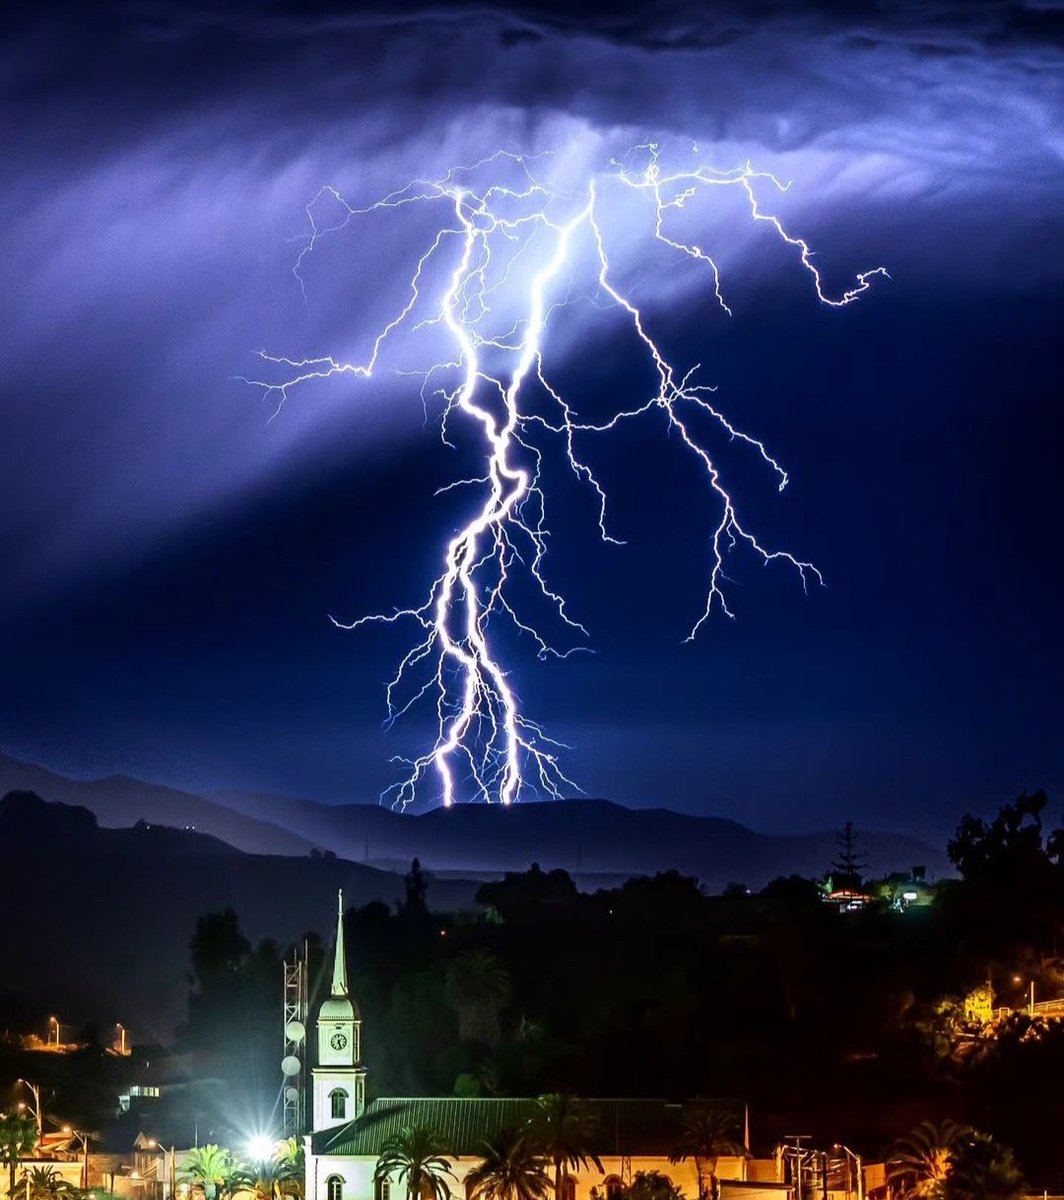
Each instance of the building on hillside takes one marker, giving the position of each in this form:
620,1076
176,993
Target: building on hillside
349,1134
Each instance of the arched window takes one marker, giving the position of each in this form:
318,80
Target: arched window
338,1108
569,1188
334,1188
614,1187
382,1189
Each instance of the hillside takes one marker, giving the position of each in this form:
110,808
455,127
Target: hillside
105,915
593,839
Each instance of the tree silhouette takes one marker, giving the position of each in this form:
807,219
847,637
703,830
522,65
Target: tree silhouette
478,989
418,1156
848,865
512,1169
919,1163
708,1131
18,1138
563,1128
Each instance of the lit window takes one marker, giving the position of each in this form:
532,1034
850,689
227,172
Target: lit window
338,1105
334,1188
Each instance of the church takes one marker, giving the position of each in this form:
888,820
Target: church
348,1134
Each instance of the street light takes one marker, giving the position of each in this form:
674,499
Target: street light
83,1138
35,1091
856,1160
172,1173
1030,1003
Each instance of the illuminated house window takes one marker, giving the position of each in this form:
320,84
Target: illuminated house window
334,1188
338,1105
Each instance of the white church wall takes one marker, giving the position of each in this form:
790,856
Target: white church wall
358,1182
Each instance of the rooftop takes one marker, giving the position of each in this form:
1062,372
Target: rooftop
626,1127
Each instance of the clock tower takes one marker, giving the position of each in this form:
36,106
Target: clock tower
339,1077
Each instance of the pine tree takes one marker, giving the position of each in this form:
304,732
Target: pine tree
848,865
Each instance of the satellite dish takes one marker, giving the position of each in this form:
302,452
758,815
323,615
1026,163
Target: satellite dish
291,1094
295,1031
290,1065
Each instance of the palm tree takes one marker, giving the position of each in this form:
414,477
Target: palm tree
708,1132
43,1183
214,1170
921,1159
290,1157
478,989
270,1178
564,1130
982,1169
511,1170
417,1155
18,1139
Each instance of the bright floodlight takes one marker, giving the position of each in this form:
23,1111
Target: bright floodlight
260,1147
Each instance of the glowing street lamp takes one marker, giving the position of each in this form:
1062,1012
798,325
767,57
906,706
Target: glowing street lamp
83,1138
35,1111
171,1174
1030,1003
851,1156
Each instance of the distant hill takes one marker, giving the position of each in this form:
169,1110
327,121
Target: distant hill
595,840
588,838
104,916
120,801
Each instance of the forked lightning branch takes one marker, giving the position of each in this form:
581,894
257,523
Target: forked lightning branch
511,251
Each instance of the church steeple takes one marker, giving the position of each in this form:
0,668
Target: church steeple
339,979
339,1077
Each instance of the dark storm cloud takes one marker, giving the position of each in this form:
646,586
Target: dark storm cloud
158,157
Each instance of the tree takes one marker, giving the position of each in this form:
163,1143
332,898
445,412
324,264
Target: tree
512,1169
982,1169
564,1130
848,865
1008,851
18,1139
415,906
43,1183
920,1161
478,988
418,1156
279,1175
214,1170
708,1131
646,1185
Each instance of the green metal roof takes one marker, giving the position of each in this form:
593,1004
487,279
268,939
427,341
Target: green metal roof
626,1127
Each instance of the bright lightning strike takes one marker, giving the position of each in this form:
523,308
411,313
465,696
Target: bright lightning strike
512,257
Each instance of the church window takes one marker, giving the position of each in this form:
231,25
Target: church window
334,1188
338,1107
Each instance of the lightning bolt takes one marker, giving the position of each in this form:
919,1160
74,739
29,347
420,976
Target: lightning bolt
519,246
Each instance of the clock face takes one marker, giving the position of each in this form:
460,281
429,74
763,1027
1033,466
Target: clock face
338,1041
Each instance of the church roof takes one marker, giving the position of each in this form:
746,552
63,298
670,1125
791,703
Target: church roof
626,1127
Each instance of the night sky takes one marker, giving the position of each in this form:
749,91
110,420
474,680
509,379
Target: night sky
170,556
